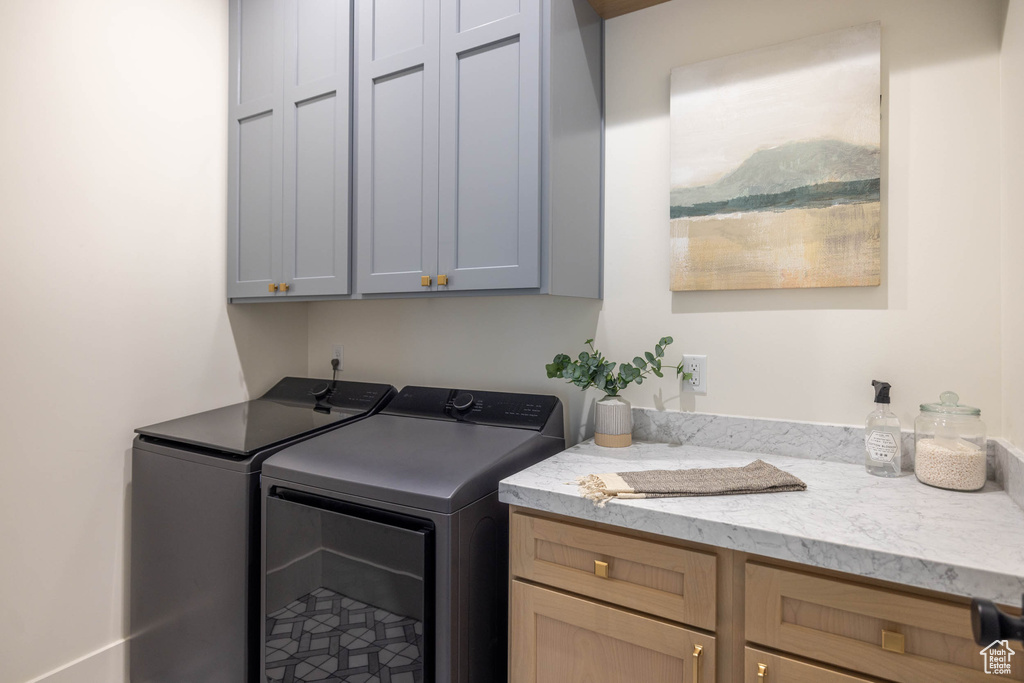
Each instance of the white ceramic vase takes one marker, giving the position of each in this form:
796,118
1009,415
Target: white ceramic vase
614,422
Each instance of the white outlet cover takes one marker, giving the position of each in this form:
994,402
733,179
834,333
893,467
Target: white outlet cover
339,353
698,365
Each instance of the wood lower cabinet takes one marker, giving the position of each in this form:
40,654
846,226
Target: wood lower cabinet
560,638
660,579
598,604
877,631
765,667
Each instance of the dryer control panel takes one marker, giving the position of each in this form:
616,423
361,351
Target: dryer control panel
492,408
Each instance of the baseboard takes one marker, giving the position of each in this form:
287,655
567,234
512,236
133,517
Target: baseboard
107,665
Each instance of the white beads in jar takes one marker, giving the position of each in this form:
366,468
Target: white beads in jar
951,464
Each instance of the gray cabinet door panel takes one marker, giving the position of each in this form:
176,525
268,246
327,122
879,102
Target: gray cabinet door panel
398,25
254,144
257,36
474,13
489,212
321,29
396,143
316,147
257,229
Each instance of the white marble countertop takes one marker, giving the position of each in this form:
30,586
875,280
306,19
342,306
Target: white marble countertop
898,530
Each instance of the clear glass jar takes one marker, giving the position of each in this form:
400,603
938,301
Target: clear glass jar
950,448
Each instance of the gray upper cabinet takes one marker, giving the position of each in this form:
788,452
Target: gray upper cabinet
289,157
463,137
479,145
397,121
489,230
254,144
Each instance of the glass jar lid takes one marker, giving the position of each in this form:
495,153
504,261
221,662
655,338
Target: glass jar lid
950,404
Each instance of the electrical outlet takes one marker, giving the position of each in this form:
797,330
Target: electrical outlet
339,353
698,367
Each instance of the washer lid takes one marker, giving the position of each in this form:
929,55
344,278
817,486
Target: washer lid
289,410
428,464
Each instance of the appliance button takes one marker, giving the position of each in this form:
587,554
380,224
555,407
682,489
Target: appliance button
462,401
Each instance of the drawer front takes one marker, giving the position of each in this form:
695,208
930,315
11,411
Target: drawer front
763,667
880,632
558,637
647,576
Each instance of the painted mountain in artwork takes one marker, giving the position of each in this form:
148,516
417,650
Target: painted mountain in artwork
806,174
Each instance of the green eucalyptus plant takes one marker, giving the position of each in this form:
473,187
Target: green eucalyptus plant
592,369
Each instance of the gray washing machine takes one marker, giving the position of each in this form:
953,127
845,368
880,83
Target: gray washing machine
195,526
385,554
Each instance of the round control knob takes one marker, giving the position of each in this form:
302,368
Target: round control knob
320,392
463,402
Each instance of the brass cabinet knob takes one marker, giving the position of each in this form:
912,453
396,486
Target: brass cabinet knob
425,281
893,642
284,286
272,287
698,650
601,569
442,280
762,673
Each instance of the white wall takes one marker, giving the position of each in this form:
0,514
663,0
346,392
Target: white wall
1013,223
806,354
113,152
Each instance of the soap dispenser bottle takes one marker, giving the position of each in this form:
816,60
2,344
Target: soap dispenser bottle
883,439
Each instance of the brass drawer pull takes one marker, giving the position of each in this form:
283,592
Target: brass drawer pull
762,673
425,281
284,287
601,569
698,650
272,287
893,642
442,280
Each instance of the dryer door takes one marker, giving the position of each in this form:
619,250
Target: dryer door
348,590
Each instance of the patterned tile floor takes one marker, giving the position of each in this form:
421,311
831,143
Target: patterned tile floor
328,637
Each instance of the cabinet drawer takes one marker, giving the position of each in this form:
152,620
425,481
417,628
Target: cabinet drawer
763,667
647,576
558,637
876,631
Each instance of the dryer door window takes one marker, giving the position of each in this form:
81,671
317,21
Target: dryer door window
348,591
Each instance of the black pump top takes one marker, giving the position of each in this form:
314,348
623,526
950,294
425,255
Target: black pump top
881,391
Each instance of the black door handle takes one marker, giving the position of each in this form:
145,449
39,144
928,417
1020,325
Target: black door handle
990,624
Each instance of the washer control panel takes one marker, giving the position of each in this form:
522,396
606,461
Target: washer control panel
493,408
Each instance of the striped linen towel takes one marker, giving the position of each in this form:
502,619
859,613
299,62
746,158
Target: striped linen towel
757,477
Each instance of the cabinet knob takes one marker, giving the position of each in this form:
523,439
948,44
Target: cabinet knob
284,287
425,281
698,650
272,287
762,673
893,642
601,569
442,280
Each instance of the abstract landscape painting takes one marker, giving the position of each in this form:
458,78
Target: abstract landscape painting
776,166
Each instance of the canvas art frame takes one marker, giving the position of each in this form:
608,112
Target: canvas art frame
776,166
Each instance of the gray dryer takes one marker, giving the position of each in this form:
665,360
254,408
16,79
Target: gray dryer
385,548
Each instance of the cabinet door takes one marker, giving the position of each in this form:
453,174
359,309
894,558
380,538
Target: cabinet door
396,143
558,637
490,144
316,146
254,147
